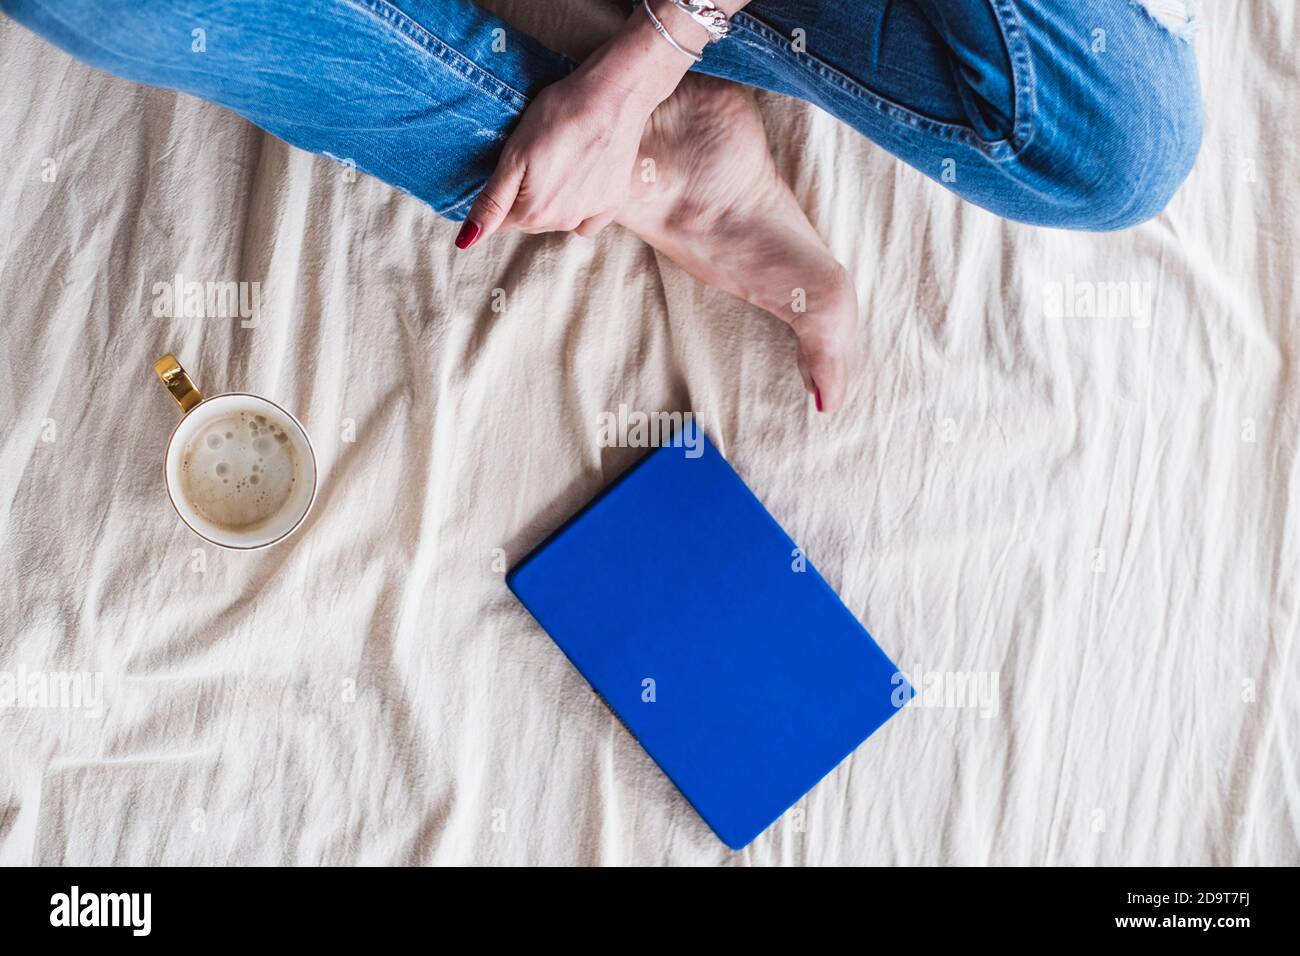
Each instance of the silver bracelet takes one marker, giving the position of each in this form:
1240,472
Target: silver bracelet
663,32
707,15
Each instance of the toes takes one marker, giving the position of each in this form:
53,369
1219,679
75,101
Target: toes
809,385
824,372
826,335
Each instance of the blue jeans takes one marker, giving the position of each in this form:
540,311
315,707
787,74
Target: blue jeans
1080,114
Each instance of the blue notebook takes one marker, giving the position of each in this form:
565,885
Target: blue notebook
689,609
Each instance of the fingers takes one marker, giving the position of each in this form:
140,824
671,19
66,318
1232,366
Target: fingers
493,204
500,206
590,227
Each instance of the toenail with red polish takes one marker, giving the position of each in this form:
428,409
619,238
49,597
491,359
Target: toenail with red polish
468,235
818,392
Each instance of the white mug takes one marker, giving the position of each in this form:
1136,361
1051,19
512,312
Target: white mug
240,470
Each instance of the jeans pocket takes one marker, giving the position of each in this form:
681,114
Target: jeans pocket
1021,66
777,64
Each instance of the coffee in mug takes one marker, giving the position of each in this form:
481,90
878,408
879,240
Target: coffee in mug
240,469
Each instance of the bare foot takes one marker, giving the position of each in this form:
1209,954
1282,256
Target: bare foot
719,209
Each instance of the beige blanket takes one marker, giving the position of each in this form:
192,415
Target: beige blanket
1082,531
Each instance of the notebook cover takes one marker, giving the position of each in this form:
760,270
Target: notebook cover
680,600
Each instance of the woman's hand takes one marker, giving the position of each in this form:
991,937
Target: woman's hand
568,165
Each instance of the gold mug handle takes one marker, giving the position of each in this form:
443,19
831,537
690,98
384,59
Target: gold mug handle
171,374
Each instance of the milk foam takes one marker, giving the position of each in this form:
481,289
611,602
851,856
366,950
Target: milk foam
239,470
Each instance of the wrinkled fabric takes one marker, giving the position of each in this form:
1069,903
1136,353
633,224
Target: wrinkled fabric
1086,492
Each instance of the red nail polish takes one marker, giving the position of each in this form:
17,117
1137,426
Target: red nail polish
818,392
468,234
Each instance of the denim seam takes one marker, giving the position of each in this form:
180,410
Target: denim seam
997,150
1022,72
449,56
452,212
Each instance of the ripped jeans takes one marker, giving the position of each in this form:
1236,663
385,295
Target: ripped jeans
1078,114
